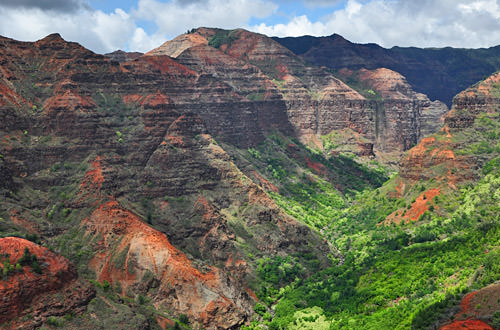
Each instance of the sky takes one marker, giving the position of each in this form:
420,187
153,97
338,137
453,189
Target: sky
141,25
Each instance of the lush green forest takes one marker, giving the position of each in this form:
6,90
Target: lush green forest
383,275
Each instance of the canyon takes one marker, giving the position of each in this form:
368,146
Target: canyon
168,189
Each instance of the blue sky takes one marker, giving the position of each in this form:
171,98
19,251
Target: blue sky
287,9
140,25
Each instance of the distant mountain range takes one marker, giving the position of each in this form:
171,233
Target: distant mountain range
440,73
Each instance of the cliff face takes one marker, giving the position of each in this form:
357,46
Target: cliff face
402,117
314,101
79,130
456,154
50,288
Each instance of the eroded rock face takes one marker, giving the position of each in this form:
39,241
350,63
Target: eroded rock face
438,73
483,97
25,291
81,129
140,258
314,101
402,116
446,155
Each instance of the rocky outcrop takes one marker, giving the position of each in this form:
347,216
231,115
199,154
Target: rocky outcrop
31,290
140,259
80,129
402,116
314,101
483,97
447,156
121,56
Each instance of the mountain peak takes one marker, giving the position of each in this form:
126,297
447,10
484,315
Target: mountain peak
123,56
53,37
338,37
176,46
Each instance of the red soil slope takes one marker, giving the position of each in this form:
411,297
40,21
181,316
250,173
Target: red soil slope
130,252
26,288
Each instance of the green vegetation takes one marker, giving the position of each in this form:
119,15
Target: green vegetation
7,267
314,203
353,80
27,259
311,188
112,310
391,277
387,276
255,96
222,37
382,275
279,83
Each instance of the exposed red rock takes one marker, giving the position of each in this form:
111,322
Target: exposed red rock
175,47
142,131
316,167
403,116
266,184
25,289
440,156
475,308
467,325
316,103
139,131
415,211
483,97
140,250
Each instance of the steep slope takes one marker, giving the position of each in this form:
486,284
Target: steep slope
440,73
477,305
465,143
402,116
180,186
136,258
37,284
89,145
267,106
315,102
410,251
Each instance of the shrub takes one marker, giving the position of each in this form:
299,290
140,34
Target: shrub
183,319
260,309
54,321
141,300
105,285
36,267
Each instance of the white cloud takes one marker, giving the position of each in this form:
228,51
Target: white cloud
298,26
103,32
423,23
93,29
174,18
142,42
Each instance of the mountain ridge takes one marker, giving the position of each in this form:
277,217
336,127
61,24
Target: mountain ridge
233,185
440,73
